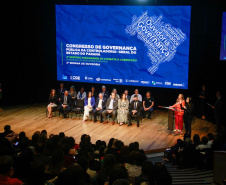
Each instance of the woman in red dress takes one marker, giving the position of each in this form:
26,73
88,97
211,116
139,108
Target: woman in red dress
179,113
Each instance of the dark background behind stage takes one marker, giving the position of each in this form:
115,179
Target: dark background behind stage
28,70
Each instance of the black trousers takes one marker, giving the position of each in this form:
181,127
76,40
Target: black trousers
131,114
95,112
64,110
187,123
218,120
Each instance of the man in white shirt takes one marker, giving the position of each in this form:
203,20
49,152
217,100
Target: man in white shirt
136,92
100,106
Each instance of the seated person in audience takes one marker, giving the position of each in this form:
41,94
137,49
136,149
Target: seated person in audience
118,172
210,138
104,92
116,95
136,159
204,143
55,166
89,104
65,104
111,108
135,109
100,106
93,92
196,140
123,109
52,102
9,134
61,90
136,92
160,175
127,94
6,171
73,95
7,130
81,94
146,171
148,105
109,162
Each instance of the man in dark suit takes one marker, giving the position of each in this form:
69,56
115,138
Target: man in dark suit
127,94
111,108
104,92
65,104
218,111
100,106
60,91
135,109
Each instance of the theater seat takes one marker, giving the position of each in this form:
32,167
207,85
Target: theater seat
79,108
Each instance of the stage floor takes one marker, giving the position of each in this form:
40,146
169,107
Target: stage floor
152,135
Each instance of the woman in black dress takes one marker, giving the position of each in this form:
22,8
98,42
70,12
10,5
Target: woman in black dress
52,102
188,114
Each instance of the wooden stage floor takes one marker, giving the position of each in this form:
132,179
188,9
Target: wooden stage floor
152,135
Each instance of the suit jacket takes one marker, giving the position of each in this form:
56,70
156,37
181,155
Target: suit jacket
103,103
68,100
128,97
139,106
60,92
92,101
105,94
139,97
115,104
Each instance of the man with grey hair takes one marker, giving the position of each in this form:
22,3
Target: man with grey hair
65,104
100,106
104,92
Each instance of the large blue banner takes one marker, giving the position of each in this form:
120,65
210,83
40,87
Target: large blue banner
129,45
223,38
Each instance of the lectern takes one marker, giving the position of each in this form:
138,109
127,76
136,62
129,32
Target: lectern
170,120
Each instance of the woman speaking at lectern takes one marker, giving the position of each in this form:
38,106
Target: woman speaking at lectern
179,112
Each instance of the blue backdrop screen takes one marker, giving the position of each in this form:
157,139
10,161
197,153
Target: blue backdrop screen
127,45
223,38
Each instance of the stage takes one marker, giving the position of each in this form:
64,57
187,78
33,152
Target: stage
152,135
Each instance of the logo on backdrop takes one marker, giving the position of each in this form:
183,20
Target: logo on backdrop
75,77
161,39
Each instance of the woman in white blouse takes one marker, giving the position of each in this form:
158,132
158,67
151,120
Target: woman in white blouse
89,104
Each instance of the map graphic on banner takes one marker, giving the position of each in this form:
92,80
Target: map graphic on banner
160,38
124,45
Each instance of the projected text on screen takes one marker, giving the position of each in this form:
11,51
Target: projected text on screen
129,45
